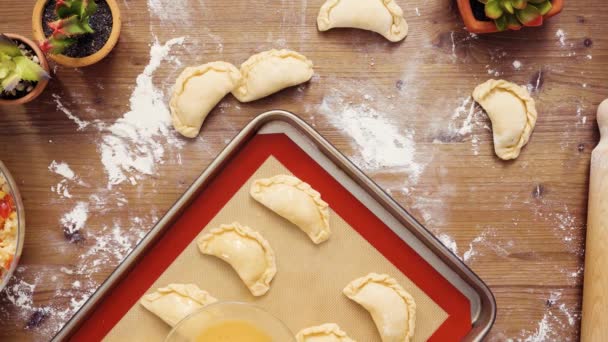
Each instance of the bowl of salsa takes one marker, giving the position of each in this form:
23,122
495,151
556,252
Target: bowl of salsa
12,225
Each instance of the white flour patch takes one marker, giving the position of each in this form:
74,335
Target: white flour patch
173,11
380,142
449,242
463,123
561,37
62,169
20,293
556,320
134,144
82,124
74,220
487,242
517,65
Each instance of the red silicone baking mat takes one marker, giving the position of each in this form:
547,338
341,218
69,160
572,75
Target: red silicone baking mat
221,189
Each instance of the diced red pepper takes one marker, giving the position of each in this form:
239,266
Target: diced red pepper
7,206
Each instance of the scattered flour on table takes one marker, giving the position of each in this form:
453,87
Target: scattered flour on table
82,124
381,144
135,144
74,220
62,169
557,318
449,242
62,187
174,11
517,65
561,37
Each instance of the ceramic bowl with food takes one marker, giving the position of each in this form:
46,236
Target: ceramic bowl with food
12,225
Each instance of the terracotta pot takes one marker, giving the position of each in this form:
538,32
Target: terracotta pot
41,84
475,26
39,36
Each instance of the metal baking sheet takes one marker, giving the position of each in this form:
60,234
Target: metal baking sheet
482,304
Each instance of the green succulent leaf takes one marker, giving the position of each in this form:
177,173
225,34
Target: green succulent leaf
9,82
507,6
519,4
8,47
536,2
528,14
6,67
74,16
483,1
544,7
501,23
88,8
512,22
29,70
493,9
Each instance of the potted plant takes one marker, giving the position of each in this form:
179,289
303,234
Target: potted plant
486,16
24,71
76,33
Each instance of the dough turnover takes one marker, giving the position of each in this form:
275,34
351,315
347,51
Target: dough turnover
197,90
176,301
391,307
267,72
328,332
512,112
381,16
246,251
297,202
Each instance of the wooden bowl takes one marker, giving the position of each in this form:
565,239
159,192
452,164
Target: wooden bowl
475,26
39,36
41,84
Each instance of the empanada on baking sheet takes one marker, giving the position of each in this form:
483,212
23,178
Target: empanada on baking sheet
392,308
267,72
246,250
381,16
176,301
197,90
297,202
328,332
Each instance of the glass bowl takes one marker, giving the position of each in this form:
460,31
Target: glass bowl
11,186
191,328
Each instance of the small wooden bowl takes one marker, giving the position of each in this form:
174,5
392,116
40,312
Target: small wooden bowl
41,84
39,36
475,26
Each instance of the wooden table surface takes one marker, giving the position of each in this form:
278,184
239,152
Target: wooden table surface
520,225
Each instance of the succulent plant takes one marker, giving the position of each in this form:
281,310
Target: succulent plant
16,66
73,21
513,14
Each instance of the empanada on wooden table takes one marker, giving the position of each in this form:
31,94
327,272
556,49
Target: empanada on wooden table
381,16
512,112
197,90
267,72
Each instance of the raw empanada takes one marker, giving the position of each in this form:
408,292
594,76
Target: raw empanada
267,72
328,332
391,307
246,251
381,16
197,90
296,201
176,301
512,112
